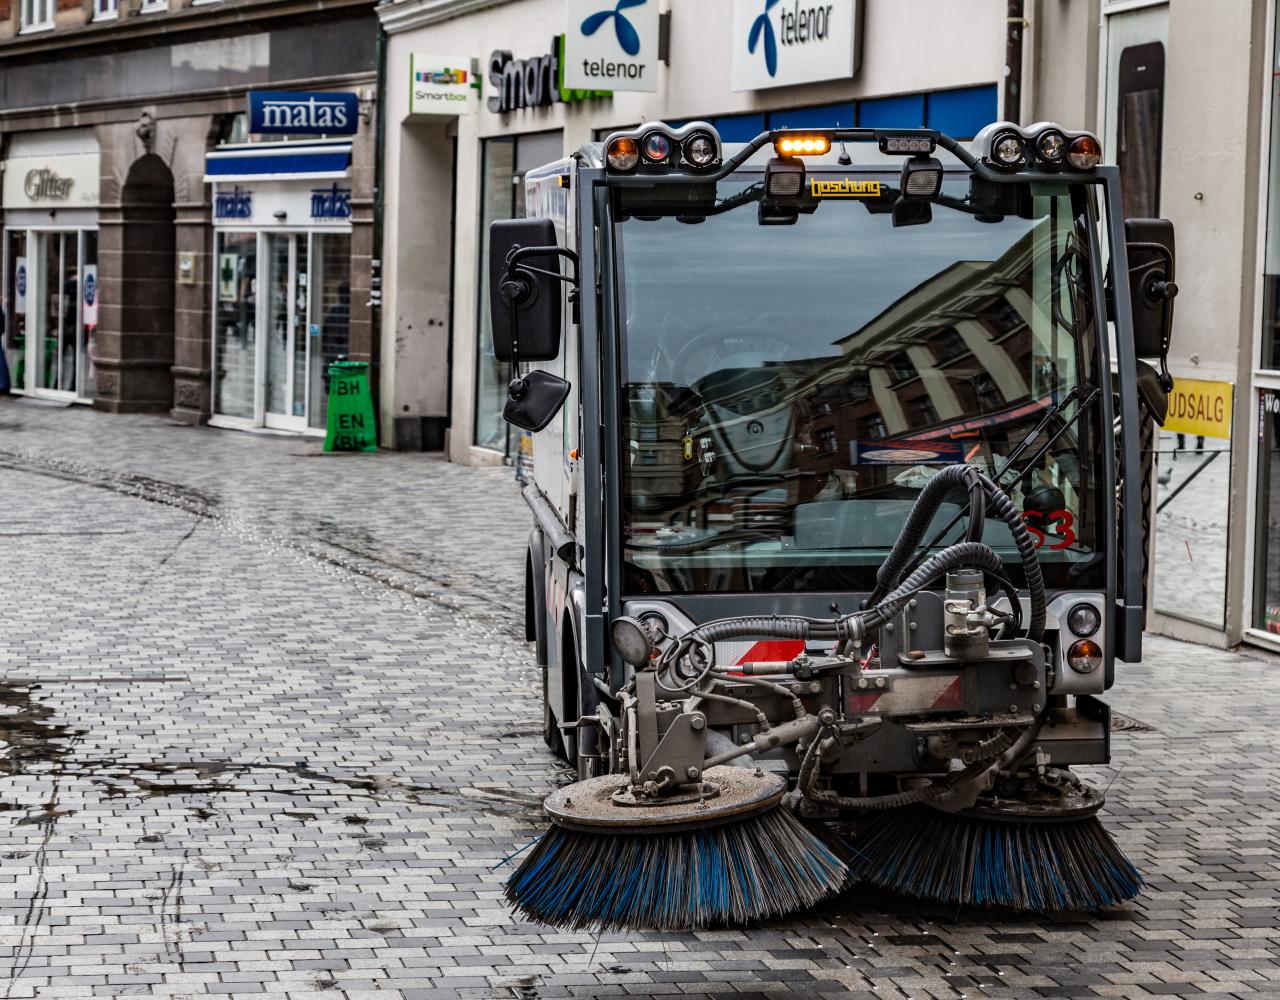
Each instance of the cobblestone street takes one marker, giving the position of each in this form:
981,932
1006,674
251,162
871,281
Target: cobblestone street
268,726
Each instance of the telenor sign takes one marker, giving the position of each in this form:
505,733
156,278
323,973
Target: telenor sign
299,112
777,43
611,45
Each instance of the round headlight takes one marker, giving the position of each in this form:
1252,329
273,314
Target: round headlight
1084,656
632,640
656,147
1085,152
1084,620
1007,150
623,153
1051,145
699,150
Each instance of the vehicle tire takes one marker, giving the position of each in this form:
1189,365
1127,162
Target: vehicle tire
550,732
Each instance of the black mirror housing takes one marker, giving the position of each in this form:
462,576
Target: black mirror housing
534,399
1150,247
533,299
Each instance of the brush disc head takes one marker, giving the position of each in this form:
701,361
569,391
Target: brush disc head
724,794
996,859
729,859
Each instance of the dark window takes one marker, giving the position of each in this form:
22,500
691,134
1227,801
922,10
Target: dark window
948,345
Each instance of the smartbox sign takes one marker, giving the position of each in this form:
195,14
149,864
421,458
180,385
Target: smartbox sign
441,85
290,112
778,43
611,45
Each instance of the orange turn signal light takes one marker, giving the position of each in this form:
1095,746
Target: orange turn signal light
802,145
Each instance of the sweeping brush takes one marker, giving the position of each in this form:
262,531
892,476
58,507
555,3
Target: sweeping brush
677,866
982,859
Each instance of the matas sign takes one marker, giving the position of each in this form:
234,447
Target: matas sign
288,112
779,43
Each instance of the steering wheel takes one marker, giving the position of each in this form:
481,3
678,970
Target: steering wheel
714,350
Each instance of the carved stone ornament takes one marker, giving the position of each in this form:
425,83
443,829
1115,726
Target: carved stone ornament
145,130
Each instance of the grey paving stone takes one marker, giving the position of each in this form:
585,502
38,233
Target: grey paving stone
254,680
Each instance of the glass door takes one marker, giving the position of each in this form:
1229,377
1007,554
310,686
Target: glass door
57,297
285,361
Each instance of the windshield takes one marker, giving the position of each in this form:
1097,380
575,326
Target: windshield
788,389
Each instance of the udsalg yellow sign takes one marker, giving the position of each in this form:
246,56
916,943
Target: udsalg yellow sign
1200,407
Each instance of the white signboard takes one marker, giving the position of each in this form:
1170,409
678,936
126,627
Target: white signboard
441,85
89,287
611,45
778,43
51,181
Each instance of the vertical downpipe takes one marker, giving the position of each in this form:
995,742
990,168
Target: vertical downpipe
1014,28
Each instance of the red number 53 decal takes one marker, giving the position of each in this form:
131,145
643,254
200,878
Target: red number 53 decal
1062,519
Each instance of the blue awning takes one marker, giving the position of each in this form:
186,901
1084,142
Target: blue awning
278,161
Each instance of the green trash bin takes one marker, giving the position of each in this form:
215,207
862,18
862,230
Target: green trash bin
351,426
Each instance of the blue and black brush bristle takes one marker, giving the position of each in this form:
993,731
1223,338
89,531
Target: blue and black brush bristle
1071,864
760,867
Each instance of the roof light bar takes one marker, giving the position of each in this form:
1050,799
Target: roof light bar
1042,146
656,147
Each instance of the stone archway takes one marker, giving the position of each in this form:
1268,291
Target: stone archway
136,335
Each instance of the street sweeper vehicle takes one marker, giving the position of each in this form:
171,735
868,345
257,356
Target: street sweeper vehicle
834,448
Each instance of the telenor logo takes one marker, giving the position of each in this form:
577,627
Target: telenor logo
763,27
628,38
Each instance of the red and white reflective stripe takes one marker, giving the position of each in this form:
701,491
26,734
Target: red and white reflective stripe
763,651
910,696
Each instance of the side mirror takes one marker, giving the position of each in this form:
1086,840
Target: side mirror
533,399
524,289
1150,248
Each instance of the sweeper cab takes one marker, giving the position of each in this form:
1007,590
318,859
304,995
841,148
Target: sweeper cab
834,444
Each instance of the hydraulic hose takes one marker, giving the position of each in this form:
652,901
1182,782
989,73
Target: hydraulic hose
1003,508
974,554
935,491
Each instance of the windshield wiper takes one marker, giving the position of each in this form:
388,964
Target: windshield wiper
1084,394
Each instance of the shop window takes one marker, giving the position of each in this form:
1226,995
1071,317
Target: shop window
962,113
235,318
506,159
330,331
826,116
105,10
36,15
892,112
16,288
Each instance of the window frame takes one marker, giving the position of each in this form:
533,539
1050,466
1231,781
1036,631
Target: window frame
26,15
106,10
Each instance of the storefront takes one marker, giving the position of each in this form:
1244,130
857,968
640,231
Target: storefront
50,198
281,278
1263,399
503,100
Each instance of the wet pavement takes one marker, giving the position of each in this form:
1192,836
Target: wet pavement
268,726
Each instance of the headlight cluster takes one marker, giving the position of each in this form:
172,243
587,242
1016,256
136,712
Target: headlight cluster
1043,145
694,147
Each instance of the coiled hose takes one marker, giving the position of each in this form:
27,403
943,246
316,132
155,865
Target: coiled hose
935,491
1004,509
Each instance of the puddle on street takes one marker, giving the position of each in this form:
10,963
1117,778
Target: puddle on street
28,736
